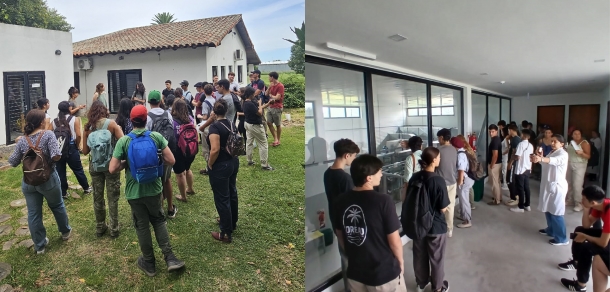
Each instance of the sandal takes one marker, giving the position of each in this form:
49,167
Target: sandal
203,171
190,193
180,198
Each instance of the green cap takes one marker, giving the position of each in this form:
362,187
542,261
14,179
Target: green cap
154,96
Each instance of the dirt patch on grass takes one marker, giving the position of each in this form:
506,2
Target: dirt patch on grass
285,273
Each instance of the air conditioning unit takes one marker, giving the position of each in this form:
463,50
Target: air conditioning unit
238,55
84,64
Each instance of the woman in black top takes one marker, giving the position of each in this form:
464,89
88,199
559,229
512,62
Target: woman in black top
429,252
122,118
240,115
253,113
222,170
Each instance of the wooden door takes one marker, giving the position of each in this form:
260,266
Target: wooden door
584,117
552,115
604,171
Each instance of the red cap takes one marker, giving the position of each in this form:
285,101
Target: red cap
457,142
138,112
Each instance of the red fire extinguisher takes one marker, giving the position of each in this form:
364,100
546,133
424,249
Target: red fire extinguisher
472,140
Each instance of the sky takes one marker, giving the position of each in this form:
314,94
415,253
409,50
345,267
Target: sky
267,22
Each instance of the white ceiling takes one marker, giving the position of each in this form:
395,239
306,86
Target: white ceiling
538,46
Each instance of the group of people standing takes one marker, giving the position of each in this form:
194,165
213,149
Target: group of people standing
149,145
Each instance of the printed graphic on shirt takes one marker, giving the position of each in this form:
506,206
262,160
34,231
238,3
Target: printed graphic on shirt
354,225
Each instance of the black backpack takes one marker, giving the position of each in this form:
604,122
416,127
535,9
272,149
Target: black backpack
63,134
594,159
417,214
162,125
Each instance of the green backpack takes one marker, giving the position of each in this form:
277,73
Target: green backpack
100,143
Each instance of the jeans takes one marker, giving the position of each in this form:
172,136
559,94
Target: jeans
72,159
464,202
584,252
556,227
145,211
223,177
522,186
112,182
34,195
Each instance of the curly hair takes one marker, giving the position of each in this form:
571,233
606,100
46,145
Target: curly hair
97,112
140,88
72,91
178,92
180,111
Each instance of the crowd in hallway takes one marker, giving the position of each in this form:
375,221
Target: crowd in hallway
217,124
438,188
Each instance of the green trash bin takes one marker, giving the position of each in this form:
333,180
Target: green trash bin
478,188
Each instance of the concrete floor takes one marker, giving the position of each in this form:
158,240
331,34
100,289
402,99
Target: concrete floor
503,251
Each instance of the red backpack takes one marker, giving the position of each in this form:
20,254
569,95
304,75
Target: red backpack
187,140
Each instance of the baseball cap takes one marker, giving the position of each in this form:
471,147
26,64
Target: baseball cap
154,96
199,84
184,82
256,71
457,142
138,112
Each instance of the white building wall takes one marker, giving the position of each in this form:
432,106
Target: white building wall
223,56
33,49
182,64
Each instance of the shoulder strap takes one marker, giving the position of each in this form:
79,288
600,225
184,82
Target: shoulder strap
209,104
39,138
27,138
105,126
413,157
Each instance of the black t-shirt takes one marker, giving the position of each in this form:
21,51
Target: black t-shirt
439,198
366,218
514,142
219,129
336,182
259,84
251,113
166,92
495,144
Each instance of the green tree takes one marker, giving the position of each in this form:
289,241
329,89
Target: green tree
165,17
297,56
32,13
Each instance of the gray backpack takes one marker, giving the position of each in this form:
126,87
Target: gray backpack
100,143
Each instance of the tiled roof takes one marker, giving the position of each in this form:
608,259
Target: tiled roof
192,33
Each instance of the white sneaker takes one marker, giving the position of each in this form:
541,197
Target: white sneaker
422,289
517,210
46,242
505,187
578,208
450,233
528,208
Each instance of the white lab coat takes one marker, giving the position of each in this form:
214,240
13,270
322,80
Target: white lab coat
553,184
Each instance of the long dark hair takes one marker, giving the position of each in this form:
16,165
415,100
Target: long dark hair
42,102
140,88
178,92
248,93
428,156
125,107
97,112
64,109
180,111
33,121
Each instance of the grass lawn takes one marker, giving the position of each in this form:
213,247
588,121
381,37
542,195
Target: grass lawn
267,253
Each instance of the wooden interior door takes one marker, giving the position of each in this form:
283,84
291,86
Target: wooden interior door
584,117
552,115
606,164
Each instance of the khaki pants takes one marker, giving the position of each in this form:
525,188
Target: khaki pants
494,179
205,148
451,191
396,285
575,177
256,132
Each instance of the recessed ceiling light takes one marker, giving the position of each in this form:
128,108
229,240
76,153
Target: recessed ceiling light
502,82
397,38
599,60
484,74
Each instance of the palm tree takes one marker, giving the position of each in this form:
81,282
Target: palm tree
300,34
354,215
165,17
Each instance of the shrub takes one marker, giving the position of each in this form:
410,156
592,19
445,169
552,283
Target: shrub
294,89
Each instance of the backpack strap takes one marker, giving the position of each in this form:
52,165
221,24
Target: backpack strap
210,105
105,126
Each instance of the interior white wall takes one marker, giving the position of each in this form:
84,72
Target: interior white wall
33,49
223,56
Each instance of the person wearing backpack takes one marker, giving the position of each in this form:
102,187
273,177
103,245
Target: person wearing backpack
160,121
101,134
223,167
207,107
464,184
367,229
142,154
67,130
423,220
38,151
188,97
411,166
521,172
187,147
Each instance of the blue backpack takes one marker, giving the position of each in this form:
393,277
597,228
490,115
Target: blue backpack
145,160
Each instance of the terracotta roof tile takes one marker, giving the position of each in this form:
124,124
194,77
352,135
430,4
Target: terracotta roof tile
192,33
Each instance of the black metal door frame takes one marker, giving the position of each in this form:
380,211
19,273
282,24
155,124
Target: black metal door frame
122,86
26,96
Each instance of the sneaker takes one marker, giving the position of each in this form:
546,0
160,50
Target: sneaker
553,242
172,213
505,187
146,267
421,289
173,263
568,266
512,203
573,285
268,167
578,208
67,235
465,225
494,202
101,233
445,286
250,163
450,233
517,210
472,207
528,208
114,235
46,242
88,191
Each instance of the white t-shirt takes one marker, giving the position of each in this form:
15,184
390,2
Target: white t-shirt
234,86
524,150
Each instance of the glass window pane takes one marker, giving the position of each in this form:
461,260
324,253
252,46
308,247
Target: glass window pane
479,126
423,111
436,101
448,111
337,112
352,112
436,111
324,261
412,101
336,99
421,101
412,112
450,117
308,109
506,110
